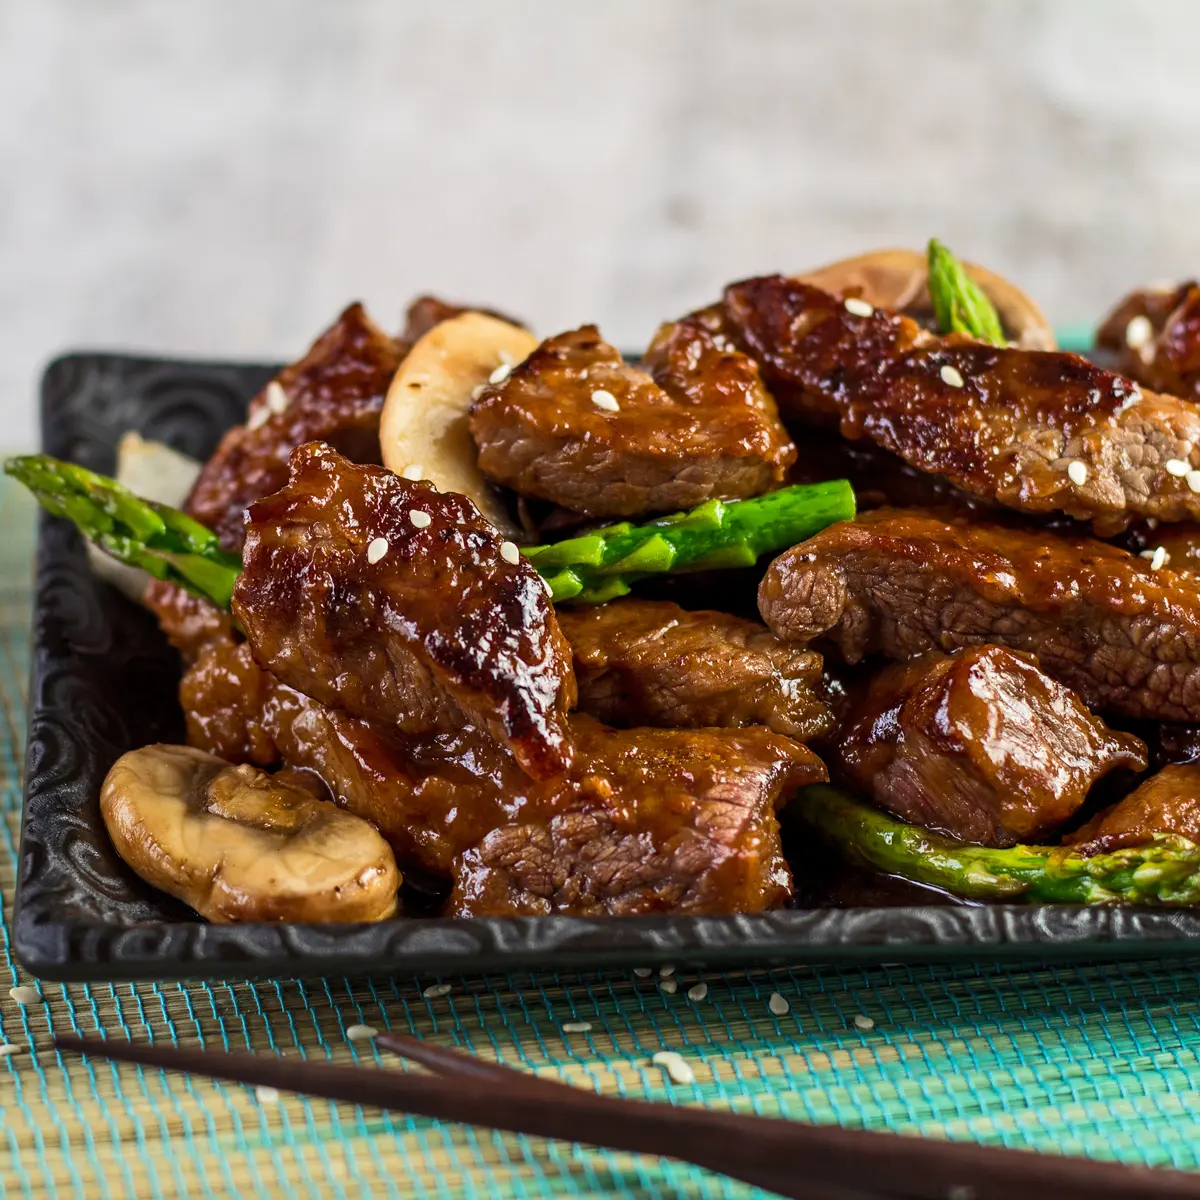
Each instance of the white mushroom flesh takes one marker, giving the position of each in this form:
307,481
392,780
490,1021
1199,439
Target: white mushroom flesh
238,844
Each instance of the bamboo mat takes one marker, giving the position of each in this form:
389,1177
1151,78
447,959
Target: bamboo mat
1098,1060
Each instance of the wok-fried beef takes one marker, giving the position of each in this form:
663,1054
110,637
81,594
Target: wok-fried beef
400,604
1155,338
1168,802
979,745
647,662
333,394
1098,619
1035,431
576,425
657,820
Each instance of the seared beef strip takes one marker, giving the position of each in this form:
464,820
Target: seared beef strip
1032,430
650,662
1168,802
400,604
1098,619
979,745
1155,337
333,394
646,820
657,820
576,425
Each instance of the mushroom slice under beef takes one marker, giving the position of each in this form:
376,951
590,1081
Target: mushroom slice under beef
1034,431
237,844
576,425
1166,803
980,745
648,662
901,583
400,604
1154,337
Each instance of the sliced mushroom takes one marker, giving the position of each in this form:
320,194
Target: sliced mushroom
899,280
237,844
423,430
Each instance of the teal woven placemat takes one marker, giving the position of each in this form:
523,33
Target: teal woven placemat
1098,1060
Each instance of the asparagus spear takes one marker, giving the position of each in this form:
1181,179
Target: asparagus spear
591,569
1166,870
734,533
163,541
959,303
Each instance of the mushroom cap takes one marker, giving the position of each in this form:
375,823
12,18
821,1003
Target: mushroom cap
238,844
899,280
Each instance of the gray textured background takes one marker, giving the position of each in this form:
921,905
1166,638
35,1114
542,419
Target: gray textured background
219,177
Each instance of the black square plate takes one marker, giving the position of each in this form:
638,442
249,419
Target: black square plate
104,681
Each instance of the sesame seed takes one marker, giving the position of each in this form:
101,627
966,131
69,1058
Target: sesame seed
680,1072
858,308
277,399
1193,480
478,391
952,376
698,991
422,520
500,374
360,1033
666,971
660,1058
643,972
258,417
434,990
507,359
25,994
670,986
576,1026
777,1004
605,400
1138,333
413,472
266,1094
377,549
1159,558
1077,472
863,1023
510,553
1178,467
7,1049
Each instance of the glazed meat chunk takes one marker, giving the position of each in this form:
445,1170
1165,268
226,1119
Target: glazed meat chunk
1167,803
647,662
333,394
657,820
1098,619
1155,337
575,425
979,745
400,604
1037,431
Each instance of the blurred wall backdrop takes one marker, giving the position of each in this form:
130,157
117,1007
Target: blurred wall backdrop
219,177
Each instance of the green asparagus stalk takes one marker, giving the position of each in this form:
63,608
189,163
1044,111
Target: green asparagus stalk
163,541
602,565
590,569
1166,870
959,303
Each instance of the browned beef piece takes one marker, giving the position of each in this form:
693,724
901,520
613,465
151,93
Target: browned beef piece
334,394
979,745
647,820
576,425
1154,337
1036,431
427,311
1168,802
400,604
650,662
655,820
899,583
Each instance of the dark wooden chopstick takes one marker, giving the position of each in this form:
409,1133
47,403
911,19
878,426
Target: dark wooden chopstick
812,1161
